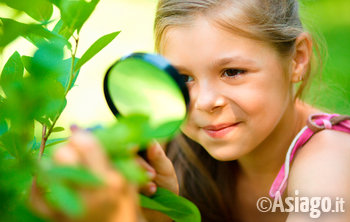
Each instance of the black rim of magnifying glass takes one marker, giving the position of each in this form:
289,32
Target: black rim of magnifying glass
156,61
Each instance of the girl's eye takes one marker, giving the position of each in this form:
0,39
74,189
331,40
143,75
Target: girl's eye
186,78
233,72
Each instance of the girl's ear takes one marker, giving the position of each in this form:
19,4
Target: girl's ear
301,57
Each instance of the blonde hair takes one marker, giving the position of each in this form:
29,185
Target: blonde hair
273,21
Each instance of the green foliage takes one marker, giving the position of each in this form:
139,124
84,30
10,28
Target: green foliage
64,198
76,175
177,208
34,89
35,33
74,14
95,48
40,10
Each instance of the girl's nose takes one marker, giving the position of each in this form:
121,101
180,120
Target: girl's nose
208,98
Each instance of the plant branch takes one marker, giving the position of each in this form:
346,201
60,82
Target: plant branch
43,142
71,77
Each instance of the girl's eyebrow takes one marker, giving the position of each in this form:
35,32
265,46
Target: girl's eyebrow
220,62
180,69
232,59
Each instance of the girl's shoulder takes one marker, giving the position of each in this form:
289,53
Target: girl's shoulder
322,166
321,171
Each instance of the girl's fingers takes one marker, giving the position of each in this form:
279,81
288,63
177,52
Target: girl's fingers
149,169
166,176
89,151
66,156
149,189
160,162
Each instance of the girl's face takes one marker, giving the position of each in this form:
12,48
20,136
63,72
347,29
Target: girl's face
239,88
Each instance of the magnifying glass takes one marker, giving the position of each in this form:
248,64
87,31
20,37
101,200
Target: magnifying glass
147,84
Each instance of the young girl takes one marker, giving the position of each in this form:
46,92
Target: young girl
241,60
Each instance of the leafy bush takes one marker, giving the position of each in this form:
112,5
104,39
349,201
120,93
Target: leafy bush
34,90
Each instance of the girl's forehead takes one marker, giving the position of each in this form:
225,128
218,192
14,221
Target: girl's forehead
207,35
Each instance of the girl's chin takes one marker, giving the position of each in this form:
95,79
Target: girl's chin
227,153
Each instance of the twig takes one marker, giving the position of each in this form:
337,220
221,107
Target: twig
43,142
45,135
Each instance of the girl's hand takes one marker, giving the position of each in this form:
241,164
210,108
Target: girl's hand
116,200
162,174
160,169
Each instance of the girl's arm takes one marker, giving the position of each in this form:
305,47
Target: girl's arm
320,170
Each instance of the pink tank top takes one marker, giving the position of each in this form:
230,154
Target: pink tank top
314,124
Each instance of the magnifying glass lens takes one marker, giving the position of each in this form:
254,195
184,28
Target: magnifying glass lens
146,84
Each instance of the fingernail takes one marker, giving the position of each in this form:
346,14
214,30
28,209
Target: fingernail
153,188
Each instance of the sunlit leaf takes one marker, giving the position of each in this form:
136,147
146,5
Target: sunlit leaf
74,14
58,129
40,10
37,36
55,141
12,73
44,121
63,29
95,48
11,29
55,106
176,207
64,78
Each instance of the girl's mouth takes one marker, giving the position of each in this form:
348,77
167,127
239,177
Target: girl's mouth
219,130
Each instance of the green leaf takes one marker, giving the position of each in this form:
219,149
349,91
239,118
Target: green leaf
12,142
64,70
52,99
131,170
63,29
76,175
64,78
12,73
40,35
165,130
47,61
3,127
35,33
95,48
44,121
176,207
74,14
51,142
40,10
58,129
148,202
55,141
65,199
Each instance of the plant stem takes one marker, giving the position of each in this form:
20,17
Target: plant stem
43,142
71,76
45,135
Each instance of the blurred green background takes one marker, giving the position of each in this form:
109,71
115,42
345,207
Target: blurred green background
327,19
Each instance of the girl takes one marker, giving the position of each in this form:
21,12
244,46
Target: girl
241,60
